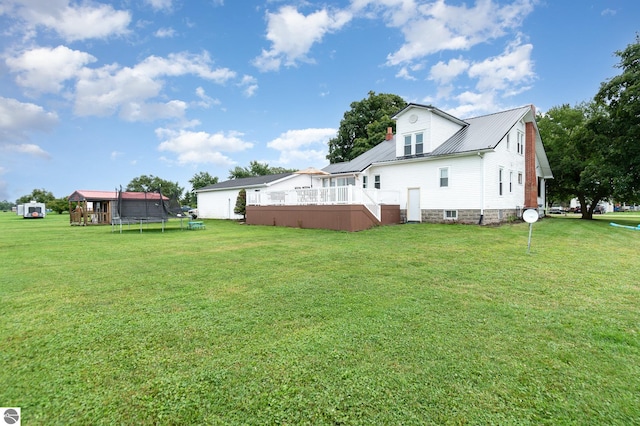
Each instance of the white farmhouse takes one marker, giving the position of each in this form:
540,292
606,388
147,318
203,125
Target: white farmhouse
436,168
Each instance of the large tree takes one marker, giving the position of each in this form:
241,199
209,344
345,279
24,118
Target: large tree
38,195
150,183
578,155
199,180
364,126
620,96
256,168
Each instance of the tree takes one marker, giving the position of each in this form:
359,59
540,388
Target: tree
256,169
578,155
241,203
199,180
39,195
364,126
152,183
620,97
59,205
6,205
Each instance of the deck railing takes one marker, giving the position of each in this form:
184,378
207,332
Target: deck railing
370,198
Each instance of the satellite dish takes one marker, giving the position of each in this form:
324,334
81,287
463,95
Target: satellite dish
530,215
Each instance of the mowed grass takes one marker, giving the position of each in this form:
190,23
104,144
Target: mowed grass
236,324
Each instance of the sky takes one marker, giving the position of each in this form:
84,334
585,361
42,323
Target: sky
94,94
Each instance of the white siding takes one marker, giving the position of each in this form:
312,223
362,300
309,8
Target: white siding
219,204
436,129
512,163
442,129
463,192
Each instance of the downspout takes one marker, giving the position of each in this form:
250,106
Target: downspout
481,155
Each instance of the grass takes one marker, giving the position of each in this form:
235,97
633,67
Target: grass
235,324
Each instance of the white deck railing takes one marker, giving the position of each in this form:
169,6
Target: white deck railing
370,198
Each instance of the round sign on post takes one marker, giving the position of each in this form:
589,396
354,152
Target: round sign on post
530,216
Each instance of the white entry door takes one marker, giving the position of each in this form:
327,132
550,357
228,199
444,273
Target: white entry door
413,205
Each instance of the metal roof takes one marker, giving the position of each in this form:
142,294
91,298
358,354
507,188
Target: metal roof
478,134
83,195
482,133
384,151
249,182
431,108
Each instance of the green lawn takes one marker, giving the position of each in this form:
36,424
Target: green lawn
235,324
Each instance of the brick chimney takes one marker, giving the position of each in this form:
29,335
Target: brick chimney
389,134
530,178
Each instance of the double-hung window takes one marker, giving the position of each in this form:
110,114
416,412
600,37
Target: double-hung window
444,177
500,180
407,145
376,181
520,145
419,143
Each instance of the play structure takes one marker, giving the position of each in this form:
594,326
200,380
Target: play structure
118,208
143,208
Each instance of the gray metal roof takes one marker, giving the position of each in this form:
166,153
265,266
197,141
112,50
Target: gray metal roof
249,182
431,108
478,134
384,151
484,132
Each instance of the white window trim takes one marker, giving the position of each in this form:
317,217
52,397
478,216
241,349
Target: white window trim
453,217
448,169
410,145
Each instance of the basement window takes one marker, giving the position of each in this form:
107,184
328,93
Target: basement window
450,214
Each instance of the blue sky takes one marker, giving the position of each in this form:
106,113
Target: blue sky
94,94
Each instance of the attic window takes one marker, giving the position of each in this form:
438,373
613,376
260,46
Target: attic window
407,145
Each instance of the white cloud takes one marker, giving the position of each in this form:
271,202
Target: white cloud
151,111
509,72
29,149
201,147
45,69
471,104
71,21
443,73
438,26
18,119
308,145
111,89
205,100
165,33
159,4
292,35
249,85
